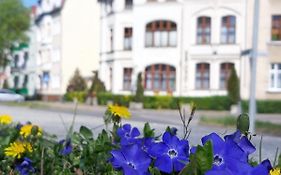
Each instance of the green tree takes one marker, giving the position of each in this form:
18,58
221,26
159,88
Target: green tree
97,85
6,84
139,93
14,22
233,87
77,82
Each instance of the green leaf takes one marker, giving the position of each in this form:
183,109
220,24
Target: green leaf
243,123
86,132
200,162
147,131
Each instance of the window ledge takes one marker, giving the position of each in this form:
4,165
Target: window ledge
274,43
273,91
164,47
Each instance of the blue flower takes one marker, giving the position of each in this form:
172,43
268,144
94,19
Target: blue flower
229,158
67,147
262,169
145,143
131,159
242,141
25,167
171,155
127,134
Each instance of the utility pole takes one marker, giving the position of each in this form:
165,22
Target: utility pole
254,54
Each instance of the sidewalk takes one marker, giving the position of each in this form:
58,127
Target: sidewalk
272,118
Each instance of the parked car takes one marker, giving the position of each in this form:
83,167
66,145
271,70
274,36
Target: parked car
8,95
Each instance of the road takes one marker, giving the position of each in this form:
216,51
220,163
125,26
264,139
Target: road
58,121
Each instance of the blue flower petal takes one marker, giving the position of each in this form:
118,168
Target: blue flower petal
234,151
127,127
157,149
164,164
135,132
217,141
179,163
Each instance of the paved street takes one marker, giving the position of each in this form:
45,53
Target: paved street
56,121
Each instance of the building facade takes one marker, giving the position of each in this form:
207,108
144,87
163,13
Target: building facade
67,39
268,84
22,70
182,48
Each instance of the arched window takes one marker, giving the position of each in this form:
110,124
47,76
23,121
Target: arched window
202,80
160,77
228,30
204,30
161,34
225,70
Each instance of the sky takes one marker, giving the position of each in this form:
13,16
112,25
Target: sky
29,3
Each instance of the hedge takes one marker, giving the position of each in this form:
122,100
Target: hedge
168,102
80,96
264,106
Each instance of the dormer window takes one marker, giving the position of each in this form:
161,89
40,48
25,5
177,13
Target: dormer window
129,4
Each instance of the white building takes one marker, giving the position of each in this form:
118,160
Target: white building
22,68
183,47
68,38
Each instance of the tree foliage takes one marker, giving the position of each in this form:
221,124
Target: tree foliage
77,82
97,85
233,87
139,93
14,22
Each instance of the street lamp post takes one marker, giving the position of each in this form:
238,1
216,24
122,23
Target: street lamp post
254,54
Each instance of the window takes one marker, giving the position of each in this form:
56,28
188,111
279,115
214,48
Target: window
129,4
128,33
161,34
25,81
228,30
160,77
111,40
275,76
127,78
16,61
46,79
204,30
16,82
202,76
276,28
225,71
25,57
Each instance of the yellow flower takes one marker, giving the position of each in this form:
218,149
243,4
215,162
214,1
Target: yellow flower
5,119
275,171
26,130
119,111
16,149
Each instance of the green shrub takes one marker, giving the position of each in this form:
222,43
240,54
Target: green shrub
139,93
76,83
169,102
264,106
80,96
123,100
233,88
97,85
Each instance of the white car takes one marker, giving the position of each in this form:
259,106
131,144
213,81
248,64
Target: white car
7,95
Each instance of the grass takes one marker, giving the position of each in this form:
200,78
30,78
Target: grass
230,121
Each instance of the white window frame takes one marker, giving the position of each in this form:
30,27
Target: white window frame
275,72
